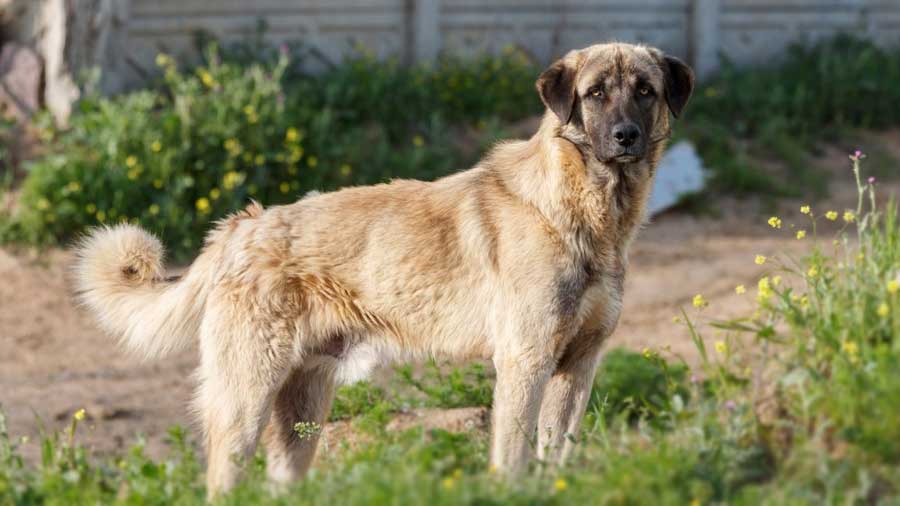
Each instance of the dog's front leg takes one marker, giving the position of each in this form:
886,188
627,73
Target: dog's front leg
521,380
566,398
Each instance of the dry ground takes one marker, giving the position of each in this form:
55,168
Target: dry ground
54,361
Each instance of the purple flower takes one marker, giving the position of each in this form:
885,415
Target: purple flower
871,179
730,405
695,378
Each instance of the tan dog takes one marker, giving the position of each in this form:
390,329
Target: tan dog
520,260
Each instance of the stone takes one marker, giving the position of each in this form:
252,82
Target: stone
680,172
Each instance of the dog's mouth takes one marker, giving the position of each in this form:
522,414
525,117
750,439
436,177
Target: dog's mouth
624,158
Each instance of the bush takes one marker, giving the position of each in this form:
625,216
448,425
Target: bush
208,140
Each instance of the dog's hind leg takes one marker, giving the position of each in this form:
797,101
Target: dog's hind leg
240,373
305,397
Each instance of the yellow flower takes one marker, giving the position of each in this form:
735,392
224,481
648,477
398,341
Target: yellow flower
284,187
153,209
740,289
893,286
249,110
721,347
560,485
90,208
801,234
232,179
647,353
312,161
696,502
676,319
291,135
207,78
849,217
157,183
763,289
43,204
805,209
699,301
760,259
215,193
850,348
883,310
133,174
448,483
775,222
813,272
776,280
156,146
131,161
74,186
296,153
202,205
345,169
259,159
162,59
418,141
831,215
79,415
233,147
804,302
101,216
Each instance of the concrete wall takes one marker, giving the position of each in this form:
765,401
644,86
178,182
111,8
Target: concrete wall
747,31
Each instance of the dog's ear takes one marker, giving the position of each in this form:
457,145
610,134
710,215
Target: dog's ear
679,83
556,86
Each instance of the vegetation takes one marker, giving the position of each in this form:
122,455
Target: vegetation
248,124
795,404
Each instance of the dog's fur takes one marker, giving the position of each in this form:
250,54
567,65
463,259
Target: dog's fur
520,260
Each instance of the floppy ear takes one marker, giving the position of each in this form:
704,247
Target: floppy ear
679,83
556,86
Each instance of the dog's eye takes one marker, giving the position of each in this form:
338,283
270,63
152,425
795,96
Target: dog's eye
596,92
644,91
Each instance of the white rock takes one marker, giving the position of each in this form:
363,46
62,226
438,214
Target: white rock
680,171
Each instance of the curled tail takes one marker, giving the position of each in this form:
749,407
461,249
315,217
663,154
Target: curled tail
120,278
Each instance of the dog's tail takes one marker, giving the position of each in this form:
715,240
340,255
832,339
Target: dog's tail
119,277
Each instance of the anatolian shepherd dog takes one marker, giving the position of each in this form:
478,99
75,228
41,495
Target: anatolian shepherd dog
520,260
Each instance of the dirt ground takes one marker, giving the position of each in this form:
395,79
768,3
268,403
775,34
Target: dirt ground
53,360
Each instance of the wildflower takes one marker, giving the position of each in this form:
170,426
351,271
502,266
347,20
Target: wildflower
153,209
158,183
249,110
883,310
156,146
893,286
801,234
699,301
760,259
730,405
101,216
448,483
763,289
202,205
233,146
74,186
130,161
871,180
647,353
805,209
849,217
831,215
312,161
43,204
857,155
775,222
418,141
296,153
849,347
560,485
133,174
215,193
79,415
259,159
207,78
721,347
345,169
776,280
232,179
740,289
676,319
284,187
162,59
696,502
813,271
804,302
90,208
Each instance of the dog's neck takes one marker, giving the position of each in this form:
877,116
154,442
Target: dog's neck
596,206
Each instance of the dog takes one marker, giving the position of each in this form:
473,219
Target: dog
520,260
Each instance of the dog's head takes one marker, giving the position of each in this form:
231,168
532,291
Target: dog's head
615,98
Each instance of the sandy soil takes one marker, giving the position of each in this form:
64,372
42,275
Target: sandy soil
54,361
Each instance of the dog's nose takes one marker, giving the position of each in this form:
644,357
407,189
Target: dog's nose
626,134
